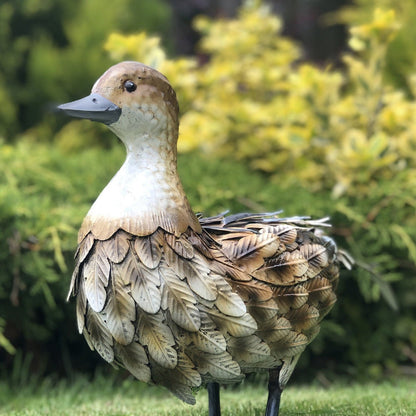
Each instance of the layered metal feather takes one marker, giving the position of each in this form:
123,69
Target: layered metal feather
241,296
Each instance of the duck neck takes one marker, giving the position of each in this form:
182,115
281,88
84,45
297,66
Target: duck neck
146,193
152,156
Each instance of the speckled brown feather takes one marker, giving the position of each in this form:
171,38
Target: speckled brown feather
164,297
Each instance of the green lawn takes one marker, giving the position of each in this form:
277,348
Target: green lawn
132,398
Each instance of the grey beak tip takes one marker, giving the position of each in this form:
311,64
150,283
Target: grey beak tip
93,107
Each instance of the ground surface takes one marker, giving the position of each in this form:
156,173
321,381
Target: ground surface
127,398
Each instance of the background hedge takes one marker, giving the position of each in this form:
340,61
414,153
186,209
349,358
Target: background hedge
262,128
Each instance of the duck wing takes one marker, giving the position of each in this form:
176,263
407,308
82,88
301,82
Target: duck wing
285,269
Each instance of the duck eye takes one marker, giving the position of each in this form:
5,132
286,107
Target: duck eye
130,86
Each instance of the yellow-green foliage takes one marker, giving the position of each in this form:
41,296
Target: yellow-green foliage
339,131
401,59
326,128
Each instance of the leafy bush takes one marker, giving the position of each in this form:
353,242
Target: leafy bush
400,58
275,133
43,197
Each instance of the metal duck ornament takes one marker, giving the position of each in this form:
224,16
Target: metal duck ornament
181,300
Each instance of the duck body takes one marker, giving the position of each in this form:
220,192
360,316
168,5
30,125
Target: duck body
180,300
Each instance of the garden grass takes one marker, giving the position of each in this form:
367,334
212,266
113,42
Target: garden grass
128,398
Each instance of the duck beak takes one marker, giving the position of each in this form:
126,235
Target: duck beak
93,107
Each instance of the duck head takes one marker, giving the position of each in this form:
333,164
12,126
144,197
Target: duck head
132,99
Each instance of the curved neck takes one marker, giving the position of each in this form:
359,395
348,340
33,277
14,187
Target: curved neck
146,193
146,153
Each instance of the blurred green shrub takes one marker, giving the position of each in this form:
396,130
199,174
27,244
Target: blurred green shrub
45,194
400,59
275,133
43,197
